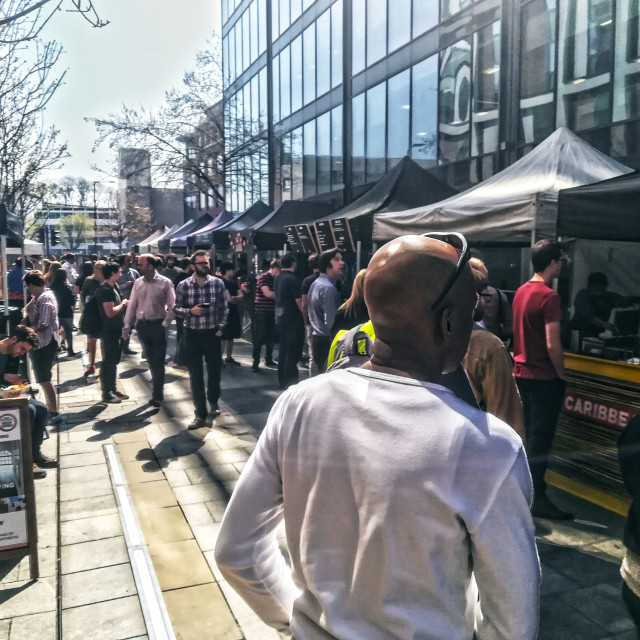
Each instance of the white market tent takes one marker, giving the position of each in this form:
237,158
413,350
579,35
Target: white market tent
519,204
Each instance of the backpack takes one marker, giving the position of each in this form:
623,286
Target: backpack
351,348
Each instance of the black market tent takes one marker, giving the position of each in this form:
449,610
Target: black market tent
220,236
185,229
268,233
515,205
406,186
142,246
606,210
188,240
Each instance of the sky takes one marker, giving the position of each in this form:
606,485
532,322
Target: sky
145,50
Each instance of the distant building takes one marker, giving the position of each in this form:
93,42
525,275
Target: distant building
135,189
205,149
51,217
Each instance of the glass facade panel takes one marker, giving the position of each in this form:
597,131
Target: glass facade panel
424,111
324,152
537,70
626,79
323,41
284,15
285,167
455,102
255,105
246,40
306,4
486,92
398,117
262,26
276,88
399,23
425,16
296,164
296,10
336,43
296,74
357,143
238,41
376,30
585,58
253,22
337,176
309,159
375,132
275,19
309,63
358,36
264,99
225,61
285,83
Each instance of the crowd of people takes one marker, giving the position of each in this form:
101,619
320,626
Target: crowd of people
409,513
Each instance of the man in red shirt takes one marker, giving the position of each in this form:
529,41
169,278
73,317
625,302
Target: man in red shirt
539,366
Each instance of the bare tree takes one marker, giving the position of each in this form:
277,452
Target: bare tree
83,188
33,15
130,223
76,229
67,189
186,136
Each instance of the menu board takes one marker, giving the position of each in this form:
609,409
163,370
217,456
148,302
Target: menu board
324,234
292,239
13,501
342,234
306,239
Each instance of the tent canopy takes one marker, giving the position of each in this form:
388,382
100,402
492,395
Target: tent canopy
154,236
268,233
184,241
582,211
220,235
191,225
512,204
406,186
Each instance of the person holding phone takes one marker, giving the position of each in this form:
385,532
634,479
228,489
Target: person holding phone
202,303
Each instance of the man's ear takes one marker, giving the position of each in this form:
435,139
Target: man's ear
446,323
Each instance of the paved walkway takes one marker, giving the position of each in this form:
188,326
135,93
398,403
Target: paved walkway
128,524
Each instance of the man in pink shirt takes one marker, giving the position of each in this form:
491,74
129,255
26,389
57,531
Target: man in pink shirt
539,366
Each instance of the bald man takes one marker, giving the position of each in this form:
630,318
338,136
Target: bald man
406,510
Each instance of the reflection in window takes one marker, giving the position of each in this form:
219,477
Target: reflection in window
276,89
324,152
425,16
337,179
238,39
323,41
245,37
309,63
253,23
588,109
376,30
399,23
455,99
398,117
255,106
285,167
451,7
375,132
357,36
275,20
263,99
486,83
309,159
357,143
296,164
336,43
296,74
537,70
262,26
424,112
626,80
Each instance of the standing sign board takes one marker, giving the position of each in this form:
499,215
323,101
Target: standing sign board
306,239
325,236
292,238
342,234
18,530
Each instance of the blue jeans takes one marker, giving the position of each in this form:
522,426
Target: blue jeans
203,345
153,337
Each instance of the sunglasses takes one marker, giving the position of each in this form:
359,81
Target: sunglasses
458,242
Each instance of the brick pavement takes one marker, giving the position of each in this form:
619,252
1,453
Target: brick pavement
178,482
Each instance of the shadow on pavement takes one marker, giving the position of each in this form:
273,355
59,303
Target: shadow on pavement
133,420
72,420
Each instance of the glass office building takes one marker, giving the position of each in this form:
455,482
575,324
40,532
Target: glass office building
323,97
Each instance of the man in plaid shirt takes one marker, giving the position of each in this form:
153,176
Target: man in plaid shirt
201,301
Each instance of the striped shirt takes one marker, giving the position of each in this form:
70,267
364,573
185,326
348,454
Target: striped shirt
262,303
43,311
189,293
